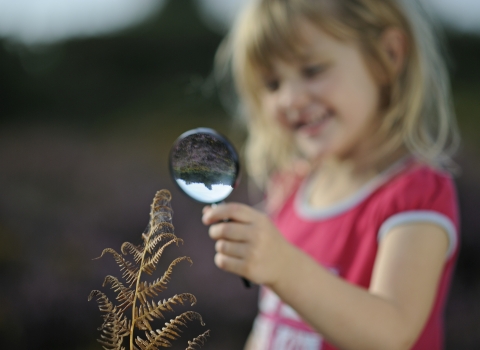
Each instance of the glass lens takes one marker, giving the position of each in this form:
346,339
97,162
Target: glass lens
204,165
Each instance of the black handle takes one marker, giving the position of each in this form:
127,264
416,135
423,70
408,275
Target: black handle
246,283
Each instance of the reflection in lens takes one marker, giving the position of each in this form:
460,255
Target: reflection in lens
200,192
204,165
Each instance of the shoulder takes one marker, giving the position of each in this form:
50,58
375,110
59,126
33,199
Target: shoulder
420,194
420,186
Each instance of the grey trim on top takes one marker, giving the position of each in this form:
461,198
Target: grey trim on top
422,216
308,212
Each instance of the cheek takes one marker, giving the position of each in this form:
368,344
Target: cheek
269,108
272,112
358,111
365,101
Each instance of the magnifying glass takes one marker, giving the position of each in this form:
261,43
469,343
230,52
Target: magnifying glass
205,166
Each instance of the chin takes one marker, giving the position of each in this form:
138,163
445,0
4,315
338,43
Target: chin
313,151
315,156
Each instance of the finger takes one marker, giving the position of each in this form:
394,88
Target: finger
205,208
232,211
231,249
231,231
229,264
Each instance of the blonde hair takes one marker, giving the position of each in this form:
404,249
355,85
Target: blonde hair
418,113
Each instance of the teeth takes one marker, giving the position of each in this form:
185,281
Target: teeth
322,118
301,123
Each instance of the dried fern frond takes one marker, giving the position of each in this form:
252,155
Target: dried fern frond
136,251
116,326
171,331
150,265
151,289
130,271
198,341
125,294
103,303
150,311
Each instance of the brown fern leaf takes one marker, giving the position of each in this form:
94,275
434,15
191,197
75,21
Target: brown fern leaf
152,289
155,239
117,286
162,199
104,304
180,321
172,331
161,215
161,210
114,330
125,294
150,264
168,274
115,326
152,342
198,341
150,311
136,251
130,271
116,316
161,228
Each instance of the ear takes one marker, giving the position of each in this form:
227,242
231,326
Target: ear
394,45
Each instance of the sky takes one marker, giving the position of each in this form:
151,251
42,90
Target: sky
50,21
463,15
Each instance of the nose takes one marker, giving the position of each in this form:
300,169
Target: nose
293,96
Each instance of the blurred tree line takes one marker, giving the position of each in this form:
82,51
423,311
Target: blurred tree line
158,65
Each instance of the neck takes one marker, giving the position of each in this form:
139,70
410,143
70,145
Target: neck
335,178
359,162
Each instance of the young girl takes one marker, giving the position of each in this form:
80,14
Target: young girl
350,131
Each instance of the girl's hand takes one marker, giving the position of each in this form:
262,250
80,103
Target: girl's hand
247,244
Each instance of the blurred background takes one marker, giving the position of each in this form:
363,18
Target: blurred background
92,95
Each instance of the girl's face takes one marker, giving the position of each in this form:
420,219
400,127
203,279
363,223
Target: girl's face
327,98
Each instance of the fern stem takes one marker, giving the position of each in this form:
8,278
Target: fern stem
132,327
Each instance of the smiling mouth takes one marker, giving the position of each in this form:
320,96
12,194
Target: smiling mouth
313,127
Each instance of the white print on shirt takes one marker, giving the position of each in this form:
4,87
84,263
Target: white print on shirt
287,338
287,312
278,336
266,337
263,330
269,302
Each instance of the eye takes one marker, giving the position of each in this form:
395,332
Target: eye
272,84
313,70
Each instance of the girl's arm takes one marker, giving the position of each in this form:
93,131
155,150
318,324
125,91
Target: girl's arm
390,315
249,343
